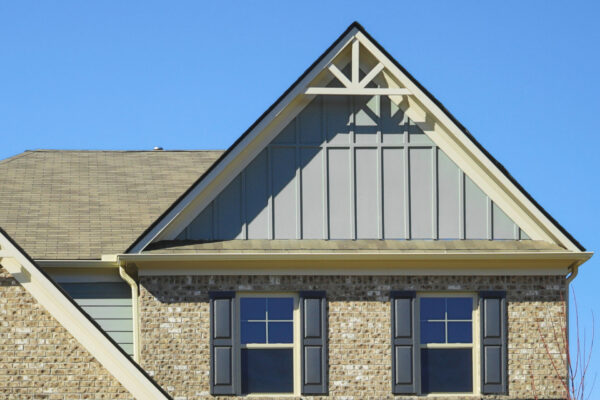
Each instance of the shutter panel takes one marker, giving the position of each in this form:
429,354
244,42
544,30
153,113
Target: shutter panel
313,315
222,312
492,307
404,343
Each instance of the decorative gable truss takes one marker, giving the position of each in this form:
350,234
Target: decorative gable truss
356,149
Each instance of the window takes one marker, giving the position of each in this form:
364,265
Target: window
446,343
256,343
267,343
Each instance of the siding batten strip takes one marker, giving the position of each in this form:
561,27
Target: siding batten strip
434,194
462,203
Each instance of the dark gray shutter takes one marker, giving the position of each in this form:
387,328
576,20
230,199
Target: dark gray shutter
313,315
492,306
404,343
222,312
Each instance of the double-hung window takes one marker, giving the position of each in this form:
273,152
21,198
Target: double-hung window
449,343
267,350
268,343
447,353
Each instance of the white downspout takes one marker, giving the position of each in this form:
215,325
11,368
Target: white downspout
135,310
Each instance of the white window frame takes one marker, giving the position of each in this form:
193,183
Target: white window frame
295,345
474,345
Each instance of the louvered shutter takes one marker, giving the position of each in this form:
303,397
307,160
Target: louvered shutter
404,343
313,312
492,306
222,307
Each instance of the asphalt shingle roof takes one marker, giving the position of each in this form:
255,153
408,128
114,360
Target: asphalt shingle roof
82,204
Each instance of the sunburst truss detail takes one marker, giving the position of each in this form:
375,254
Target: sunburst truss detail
356,86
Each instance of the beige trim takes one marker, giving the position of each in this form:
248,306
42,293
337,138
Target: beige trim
82,329
135,311
368,263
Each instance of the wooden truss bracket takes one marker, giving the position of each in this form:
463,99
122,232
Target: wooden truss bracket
356,86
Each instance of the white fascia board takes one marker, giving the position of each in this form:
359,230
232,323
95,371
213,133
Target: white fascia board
80,326
171,224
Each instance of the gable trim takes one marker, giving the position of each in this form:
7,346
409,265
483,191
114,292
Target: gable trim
77,322
507,193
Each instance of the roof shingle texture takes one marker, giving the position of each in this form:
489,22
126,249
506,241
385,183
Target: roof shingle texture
82,204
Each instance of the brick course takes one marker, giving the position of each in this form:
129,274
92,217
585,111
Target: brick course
175,329
39,357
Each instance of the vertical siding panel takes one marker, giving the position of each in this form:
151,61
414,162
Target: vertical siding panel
367,205
366,116
201,227
229,215
312,192
476,211
340,206
338,114
391,122
257,198
284,192
504,228
393,194
309,123
421,193
448,198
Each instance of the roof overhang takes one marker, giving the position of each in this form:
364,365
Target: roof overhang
357,263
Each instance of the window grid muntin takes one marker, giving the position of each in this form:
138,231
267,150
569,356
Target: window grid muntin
266,322
447,344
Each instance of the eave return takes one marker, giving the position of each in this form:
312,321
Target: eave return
352,167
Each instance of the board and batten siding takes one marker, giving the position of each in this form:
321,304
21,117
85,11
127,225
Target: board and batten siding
352,167
109,304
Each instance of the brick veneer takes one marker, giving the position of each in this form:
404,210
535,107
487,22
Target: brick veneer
39,359
175,328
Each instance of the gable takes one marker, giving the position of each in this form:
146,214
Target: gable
373,72
351,167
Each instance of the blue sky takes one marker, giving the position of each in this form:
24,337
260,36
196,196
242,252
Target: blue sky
521,76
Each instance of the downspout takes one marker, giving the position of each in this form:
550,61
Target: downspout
573,271
135,309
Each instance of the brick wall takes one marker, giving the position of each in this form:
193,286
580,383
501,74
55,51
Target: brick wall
175,330
39,359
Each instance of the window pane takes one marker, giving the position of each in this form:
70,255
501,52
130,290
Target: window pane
253,332
460,332
280,308
253,308
446,370
433,308
281,332
460,307
267,371
433,332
